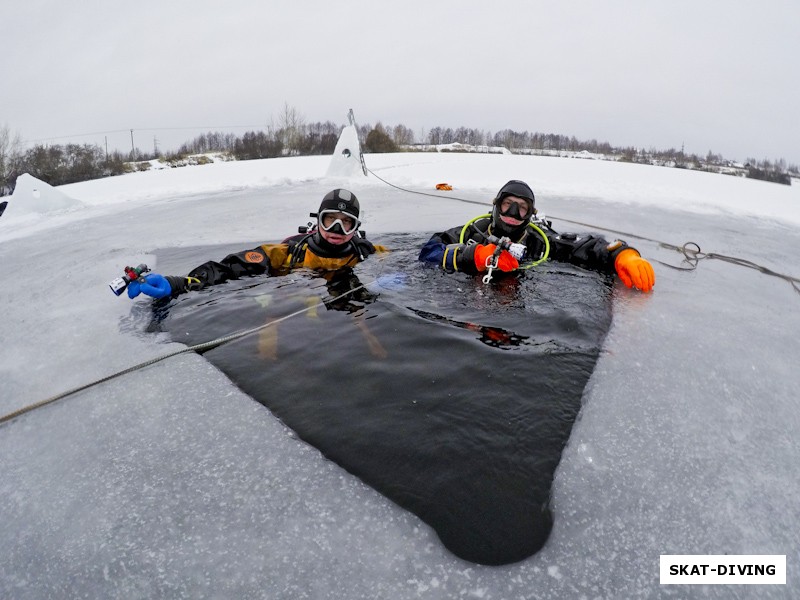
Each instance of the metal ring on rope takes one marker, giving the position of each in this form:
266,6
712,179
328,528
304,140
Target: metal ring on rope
692,256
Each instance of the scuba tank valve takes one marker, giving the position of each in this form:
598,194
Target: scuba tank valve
119,284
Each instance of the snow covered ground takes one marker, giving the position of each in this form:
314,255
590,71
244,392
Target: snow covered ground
171,483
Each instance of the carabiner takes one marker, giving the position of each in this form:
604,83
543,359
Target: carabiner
491,265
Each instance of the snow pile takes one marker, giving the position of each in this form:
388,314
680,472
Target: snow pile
32,196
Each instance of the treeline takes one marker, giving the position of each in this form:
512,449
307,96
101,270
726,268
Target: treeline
55,165
59,165
299,140
292,136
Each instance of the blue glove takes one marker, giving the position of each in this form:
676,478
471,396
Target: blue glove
155,286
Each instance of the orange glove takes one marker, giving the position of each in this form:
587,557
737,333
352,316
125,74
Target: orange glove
505,262
634,271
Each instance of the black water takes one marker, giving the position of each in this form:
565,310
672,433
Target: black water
452,398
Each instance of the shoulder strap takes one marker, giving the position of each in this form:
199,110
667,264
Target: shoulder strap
297,249
362,247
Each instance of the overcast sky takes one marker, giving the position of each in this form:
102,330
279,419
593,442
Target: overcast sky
711,75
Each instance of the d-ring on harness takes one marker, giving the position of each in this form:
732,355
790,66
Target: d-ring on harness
491,261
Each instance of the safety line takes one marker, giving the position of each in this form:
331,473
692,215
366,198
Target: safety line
426,193
196,348
691,255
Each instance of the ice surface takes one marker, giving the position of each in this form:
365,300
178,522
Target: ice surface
171,483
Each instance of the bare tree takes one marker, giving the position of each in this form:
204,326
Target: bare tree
435,136
403,136
291,129
10,159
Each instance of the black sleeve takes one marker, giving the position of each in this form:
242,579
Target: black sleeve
445,250
590,251
233,266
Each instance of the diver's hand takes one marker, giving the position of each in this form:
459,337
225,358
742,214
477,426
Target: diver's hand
505,261
634,271
154,285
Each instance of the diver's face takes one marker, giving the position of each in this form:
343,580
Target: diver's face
337,239
337,227
514,211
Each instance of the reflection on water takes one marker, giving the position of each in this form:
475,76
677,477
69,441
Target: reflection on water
450,397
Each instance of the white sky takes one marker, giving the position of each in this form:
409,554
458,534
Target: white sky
713,75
